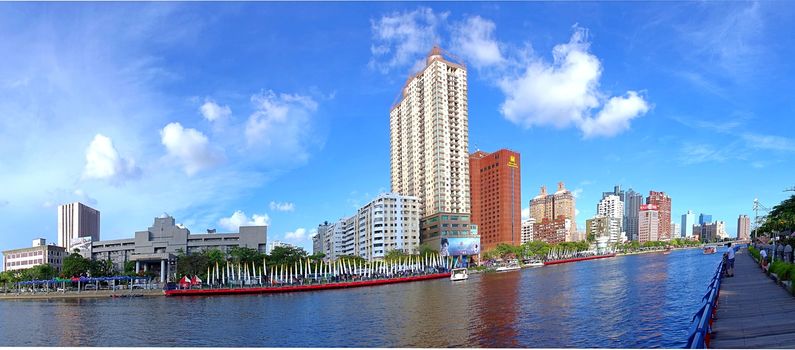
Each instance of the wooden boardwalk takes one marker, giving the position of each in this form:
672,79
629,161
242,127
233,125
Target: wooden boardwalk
753,312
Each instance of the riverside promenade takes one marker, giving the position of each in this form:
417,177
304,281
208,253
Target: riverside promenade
753,312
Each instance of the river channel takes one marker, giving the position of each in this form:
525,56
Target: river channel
637,301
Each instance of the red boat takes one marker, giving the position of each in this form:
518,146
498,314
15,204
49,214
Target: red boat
563,261
303,288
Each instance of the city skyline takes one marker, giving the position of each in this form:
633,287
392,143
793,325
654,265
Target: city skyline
259,130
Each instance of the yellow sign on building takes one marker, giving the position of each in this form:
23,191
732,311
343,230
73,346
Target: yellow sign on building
512,162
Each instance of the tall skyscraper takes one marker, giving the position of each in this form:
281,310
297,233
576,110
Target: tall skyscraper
555,207
648,223
704,219
743,227
496,197
429,148
663,203
631,208
688,220
76,220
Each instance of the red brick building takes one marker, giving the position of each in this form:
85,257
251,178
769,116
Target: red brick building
495,188
663,203
552,231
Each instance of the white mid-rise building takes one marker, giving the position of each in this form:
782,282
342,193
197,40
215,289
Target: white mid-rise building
675,230
605,229
76,220
429,141
273,244
611,206
527,230
388,222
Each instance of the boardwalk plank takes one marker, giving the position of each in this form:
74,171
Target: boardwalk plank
753,312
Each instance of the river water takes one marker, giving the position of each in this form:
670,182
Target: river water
638,301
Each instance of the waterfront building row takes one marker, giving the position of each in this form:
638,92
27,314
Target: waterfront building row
38,253
388,222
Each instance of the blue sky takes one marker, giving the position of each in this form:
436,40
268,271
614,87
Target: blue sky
223,114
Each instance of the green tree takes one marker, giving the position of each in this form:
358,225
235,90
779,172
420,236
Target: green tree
353,259
426,249
75,265
394,255
42,272
317,257
286,255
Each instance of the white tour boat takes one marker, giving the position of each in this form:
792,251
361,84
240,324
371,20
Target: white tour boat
510,267
459,274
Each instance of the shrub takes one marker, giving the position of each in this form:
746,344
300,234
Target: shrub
754,253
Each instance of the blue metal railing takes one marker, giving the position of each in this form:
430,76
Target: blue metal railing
701,324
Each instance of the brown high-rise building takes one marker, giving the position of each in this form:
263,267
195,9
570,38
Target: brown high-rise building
552,231
743,227
495,181
554,206
663,203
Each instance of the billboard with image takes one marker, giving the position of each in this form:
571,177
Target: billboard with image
460,246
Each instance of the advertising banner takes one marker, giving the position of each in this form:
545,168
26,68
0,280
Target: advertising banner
460,246
83,244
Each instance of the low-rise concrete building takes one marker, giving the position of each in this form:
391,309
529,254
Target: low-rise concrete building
157,248
39,253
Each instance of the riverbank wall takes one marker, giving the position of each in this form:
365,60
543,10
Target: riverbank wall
81,295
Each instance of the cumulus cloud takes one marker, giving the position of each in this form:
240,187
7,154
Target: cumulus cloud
104,162
190,147
212,111
474,38
239,218
615,116
279,206
282,124
565,93
525,213
402,39
62,196
296,236
576,193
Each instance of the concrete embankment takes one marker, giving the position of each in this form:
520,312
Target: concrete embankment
83,294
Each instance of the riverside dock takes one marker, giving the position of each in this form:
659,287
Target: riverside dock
753,311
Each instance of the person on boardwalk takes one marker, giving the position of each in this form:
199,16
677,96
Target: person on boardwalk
763,260
730,266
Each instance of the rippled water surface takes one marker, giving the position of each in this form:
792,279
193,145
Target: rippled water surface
632,301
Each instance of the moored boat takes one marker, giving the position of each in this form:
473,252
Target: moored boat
509,267
459,274
563,261
710,249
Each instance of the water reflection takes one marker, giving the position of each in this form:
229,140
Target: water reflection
634,301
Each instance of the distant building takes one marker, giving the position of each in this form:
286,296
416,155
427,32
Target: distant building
273,244
631,208
663,203
648,222
711,231
527,230
604,228
704,219
743,227
158,246
388,222
318,240
76,220
552,207
495,181
688,220
675,230
552,231
38,254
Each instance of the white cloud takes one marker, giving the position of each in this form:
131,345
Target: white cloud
62,196
401,39
474,38
566,92
615,116
282,124
525,213
239,218
769,142
298,235
212,111
279,206
576,193
190,147
104,162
